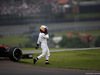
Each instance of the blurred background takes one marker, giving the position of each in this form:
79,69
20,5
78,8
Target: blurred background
71,23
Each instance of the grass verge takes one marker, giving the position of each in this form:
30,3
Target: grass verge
13,41
87,59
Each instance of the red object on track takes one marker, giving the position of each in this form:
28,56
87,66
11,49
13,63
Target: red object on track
3,47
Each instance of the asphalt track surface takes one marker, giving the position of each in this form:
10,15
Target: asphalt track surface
8,67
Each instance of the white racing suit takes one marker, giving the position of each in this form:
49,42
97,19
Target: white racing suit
45,50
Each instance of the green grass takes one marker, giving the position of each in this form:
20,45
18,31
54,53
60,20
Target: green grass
21,40
87,59
91,32
12,41
84,15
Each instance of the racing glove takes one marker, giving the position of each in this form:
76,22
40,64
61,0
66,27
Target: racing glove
37,46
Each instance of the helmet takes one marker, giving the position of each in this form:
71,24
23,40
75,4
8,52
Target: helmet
43,28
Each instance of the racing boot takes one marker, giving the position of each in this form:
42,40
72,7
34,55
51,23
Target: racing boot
47,62
35,60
